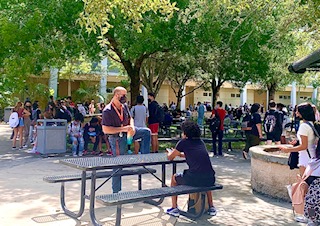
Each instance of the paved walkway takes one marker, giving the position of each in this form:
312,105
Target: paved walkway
26,200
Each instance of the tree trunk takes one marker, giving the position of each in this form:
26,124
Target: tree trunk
179,98
215,91
134,85
272,91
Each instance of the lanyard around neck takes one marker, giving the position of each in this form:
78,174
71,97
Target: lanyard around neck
120,114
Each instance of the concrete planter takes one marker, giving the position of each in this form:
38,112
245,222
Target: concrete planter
270,172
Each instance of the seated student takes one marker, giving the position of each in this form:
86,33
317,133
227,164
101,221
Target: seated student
75,132
92,132
200,172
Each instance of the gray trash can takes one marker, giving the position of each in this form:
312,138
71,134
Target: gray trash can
7,113
51,136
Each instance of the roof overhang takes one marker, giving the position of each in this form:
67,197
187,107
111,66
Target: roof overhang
308,63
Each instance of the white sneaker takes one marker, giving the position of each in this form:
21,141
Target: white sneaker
25,146
212,211
173,212
74,155
301,219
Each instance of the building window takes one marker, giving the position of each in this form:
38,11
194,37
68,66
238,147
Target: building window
280,97
238,95
109,90
210,94
205,94
233,95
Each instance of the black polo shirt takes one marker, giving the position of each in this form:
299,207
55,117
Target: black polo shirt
111,118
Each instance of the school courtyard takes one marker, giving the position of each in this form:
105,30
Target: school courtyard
29,201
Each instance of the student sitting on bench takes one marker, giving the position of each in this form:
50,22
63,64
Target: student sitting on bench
200,172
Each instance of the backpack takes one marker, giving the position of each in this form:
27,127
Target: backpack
269,122
214,123
246,123
159,113
14,120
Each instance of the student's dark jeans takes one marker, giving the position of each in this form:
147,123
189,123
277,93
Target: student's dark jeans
219,133
87,140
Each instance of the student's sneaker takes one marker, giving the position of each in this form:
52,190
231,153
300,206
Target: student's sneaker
301,219
21,148
74,155
311,223
173,212
14,148
212,211
80,154
85,152
25,146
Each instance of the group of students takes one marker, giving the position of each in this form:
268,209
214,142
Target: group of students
22,120
305,145
308,162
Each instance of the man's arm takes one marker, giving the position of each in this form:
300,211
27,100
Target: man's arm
114,130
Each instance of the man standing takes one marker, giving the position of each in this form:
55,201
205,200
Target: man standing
221,113
117,123
272,124
140,115
153,121
200,110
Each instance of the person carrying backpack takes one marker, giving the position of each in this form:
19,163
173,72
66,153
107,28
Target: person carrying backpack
216,126
272,124
254,134
306,140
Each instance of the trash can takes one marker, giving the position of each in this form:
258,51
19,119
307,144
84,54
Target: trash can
51,136
7,113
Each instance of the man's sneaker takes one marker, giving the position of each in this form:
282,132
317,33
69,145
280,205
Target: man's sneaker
80,154
14,148
25,146
74,155
21,148
173,212
212,211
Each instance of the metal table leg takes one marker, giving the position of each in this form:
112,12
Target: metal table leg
82,198
93,199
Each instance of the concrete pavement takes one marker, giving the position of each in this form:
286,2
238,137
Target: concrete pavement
26,200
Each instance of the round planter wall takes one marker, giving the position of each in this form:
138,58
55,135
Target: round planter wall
270,172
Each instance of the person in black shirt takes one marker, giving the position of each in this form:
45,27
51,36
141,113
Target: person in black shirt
92,132
200,172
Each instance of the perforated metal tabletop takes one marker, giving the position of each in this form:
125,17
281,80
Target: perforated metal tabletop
98,163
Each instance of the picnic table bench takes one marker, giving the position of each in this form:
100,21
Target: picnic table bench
119,199
207,140
85,176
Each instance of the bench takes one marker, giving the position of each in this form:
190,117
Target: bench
85,176
119,199
207,140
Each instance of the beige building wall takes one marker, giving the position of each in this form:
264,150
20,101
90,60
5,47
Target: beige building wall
163,95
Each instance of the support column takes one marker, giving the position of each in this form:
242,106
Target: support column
53,81
183,99
103,80
293,98
315,95
144,93
243,95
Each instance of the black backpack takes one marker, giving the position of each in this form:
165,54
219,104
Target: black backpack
159,113
270,121
215,122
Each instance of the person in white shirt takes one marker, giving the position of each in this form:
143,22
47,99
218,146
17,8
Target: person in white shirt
140,116
306,137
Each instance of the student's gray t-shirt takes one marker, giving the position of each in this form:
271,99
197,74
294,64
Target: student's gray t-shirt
139,113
